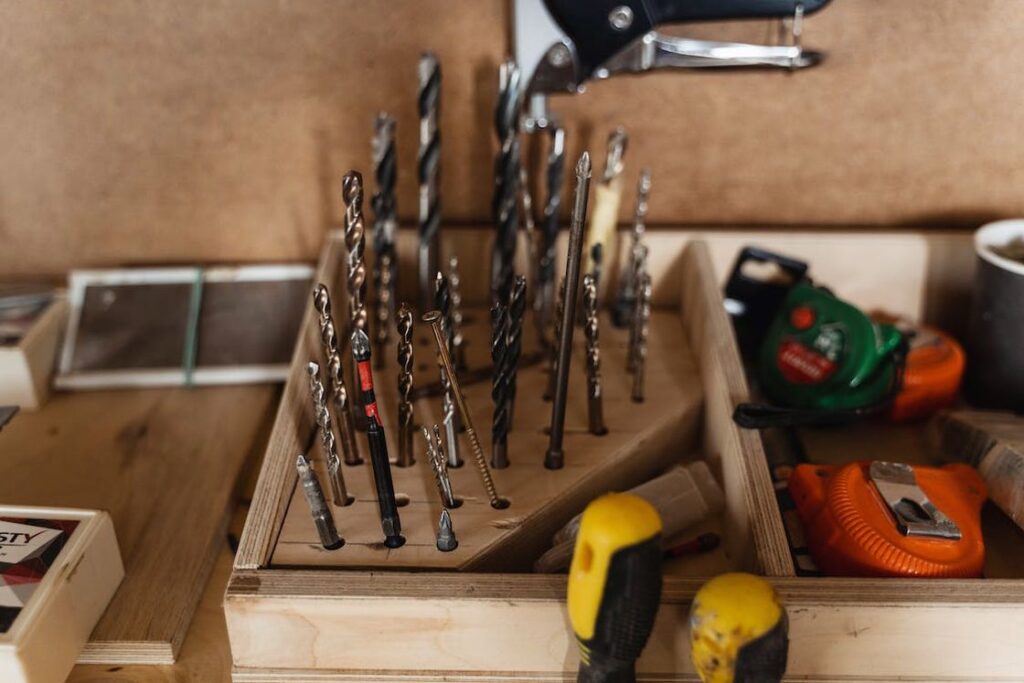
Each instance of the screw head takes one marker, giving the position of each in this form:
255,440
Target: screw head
621,18
559,56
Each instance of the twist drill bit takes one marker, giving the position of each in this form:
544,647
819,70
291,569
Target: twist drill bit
442,298
385,223
622,311
549,392
533,252
555,458
436,458
405,414
504,203
429,172
499,386
643,305
389,520
555,174
339,394
323,420
355,243
433,318
595,409
516,310
314,495
382,272
455,296
446,541
640,266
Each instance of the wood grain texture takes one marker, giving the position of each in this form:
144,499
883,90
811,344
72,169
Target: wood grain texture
149,132
163,463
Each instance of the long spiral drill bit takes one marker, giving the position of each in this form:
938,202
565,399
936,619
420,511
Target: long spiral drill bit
323,420
499,385
355,243
339,393
640,267
385,223
455,296
504,203
554,176
516,310
438,463
322,518
405,375
625,300
643,305
429,173
442,299
382,272
549,392
595,408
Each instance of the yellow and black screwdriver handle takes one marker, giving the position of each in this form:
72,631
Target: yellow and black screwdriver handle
614,586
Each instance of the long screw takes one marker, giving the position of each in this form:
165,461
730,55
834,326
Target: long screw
433,318
443,301
549,392
555,458
504,203
516,311
355,243
455,313
499,385
643,305
595,408
625,300
323,420
436,458
339,394
555,176
322,518
429,172
385,223
405,377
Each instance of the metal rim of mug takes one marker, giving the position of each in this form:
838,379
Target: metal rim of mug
997,234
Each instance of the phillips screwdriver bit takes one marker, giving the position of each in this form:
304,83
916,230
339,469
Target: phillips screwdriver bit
339,394
322,518
446,541
323,420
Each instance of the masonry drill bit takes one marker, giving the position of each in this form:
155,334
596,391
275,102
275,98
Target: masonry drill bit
385,223
595,408
314,495
643,305
389,520
549,393
516,311
323,420
339,394
555,458
455,296
607,197
499,385
640,268
429,171
555,175
504,203
355,243
625,300
446,541
433,318
405,375
436,458
442,298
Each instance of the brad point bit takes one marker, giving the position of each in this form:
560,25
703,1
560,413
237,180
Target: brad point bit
455,294
504,203
314,495
555,458
499,386
643,305
516,311
385,222
438,463
446,541
442,298
339,394
433,318
323,420
429,174
405,376
595,408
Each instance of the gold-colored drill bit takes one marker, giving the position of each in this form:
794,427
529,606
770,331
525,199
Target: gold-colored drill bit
323,420
339,394
405,378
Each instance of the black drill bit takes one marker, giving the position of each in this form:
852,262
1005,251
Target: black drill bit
455,313
322,417
555,176
429,173
595,409
389,520
516,311
385,222
322,518
499,385
405,377
643,318
504,204
555,458
355,243
625,300
339,394
442,299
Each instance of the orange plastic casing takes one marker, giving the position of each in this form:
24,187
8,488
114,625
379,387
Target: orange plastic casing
931,378
851,531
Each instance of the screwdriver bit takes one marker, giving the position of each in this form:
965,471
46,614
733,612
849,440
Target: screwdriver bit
323,420
595,408
322,518
499,386
504,203
446,541
405,378
339,394
429,172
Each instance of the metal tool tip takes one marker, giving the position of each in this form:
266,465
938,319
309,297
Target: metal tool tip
312,369
360,343
301,463
431,317
446,520
583,167
351,185
645,179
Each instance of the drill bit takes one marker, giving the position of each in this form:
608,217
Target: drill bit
516,310
549,228
442,298
429,171
446,541
314,495
499,386
433,318
549,393
355,243
504,203
405,427
323,420
389,520
595,409
640,267
339,394
643,305
555,458
436,458
607,197
385,223
625,300
532,250
455,295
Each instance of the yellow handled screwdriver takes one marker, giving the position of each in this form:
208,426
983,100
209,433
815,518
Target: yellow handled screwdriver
739,632
614,586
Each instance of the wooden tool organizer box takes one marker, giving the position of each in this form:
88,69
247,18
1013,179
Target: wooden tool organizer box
295,611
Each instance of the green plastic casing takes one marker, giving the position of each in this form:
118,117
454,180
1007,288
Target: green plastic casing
823,353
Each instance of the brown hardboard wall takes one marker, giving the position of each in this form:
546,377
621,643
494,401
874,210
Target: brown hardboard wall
218,130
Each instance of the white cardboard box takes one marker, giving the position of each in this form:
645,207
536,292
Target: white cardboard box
27,367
